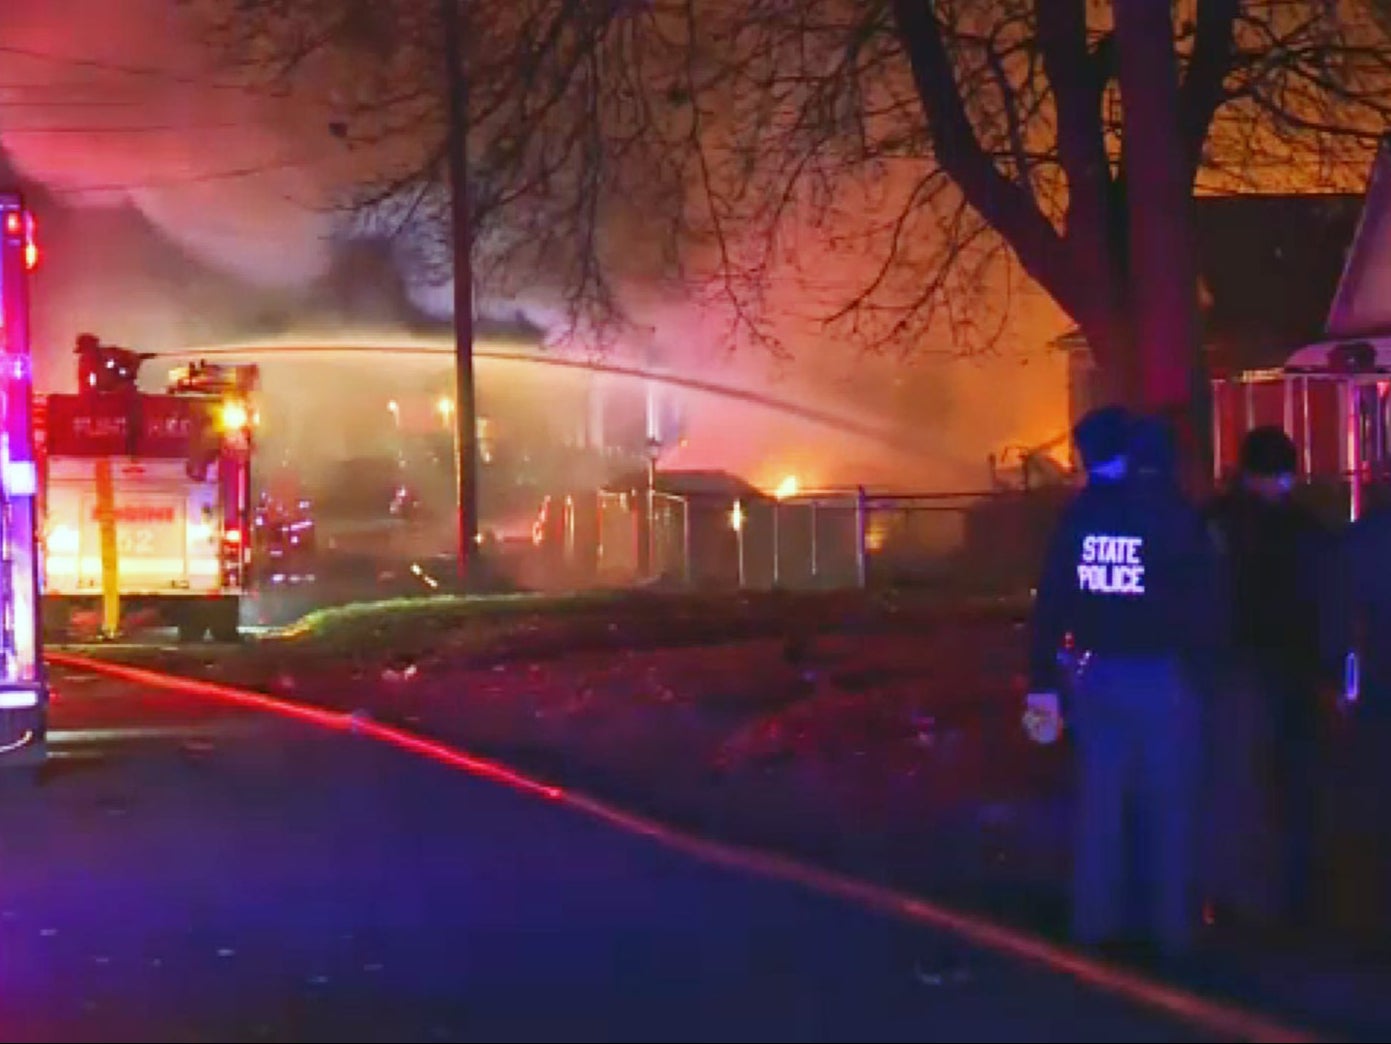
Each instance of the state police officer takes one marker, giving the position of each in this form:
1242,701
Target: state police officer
1265,720
1127,587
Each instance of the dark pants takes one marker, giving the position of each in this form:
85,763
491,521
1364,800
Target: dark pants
1356,827
1298,793
1134,723
1262,794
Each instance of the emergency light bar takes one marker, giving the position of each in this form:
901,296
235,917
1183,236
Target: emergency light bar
23,684
20,478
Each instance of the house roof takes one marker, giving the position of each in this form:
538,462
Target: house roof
694,483
1362,306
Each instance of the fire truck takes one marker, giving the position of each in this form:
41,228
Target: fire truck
1333,398
146,498
23,682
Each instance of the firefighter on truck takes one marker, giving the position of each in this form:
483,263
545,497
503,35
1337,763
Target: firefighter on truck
147,497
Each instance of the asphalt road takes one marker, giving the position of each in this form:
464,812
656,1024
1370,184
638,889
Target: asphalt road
194,872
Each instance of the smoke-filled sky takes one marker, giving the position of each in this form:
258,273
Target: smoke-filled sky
169,141
178,207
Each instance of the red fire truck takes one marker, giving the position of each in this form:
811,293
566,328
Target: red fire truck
1332,396
23,682
146,498
1334,399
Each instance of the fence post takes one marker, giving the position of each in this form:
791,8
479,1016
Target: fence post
651,524
1219,397
861,527
777,547
686,540
739,538
600,517
569,532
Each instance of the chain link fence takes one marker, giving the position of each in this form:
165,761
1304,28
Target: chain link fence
828,539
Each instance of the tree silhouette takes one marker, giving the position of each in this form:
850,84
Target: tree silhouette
946,143
1072,132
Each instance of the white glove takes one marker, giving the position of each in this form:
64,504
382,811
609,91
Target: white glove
1043,717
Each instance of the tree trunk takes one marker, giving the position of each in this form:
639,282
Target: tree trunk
1110,339
1162,290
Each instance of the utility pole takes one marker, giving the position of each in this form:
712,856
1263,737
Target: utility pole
465,406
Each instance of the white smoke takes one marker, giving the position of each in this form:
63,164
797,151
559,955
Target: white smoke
121,104
112,104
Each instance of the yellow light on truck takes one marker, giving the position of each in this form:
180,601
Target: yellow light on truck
63,540
787,488
234,415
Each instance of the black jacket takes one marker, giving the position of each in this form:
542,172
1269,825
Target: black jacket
1130,571
1274,557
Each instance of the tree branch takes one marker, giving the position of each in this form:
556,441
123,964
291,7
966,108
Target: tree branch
1018,151
1006,206
1203,88
1079,78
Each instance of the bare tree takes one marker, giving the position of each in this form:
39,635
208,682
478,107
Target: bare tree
573,115
1073,132
947,141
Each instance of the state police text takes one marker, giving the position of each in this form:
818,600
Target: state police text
1112,565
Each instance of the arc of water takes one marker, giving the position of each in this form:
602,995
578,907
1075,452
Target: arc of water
825,418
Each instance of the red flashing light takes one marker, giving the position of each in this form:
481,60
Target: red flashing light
31,256
14,223
233,536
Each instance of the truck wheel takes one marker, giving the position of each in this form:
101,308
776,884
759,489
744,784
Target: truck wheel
191,626
57,622
191,631
225,619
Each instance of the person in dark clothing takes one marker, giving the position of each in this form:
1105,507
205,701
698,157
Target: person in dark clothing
1127,584
1358,620
1153,453
1357,625
1263,717
88,352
